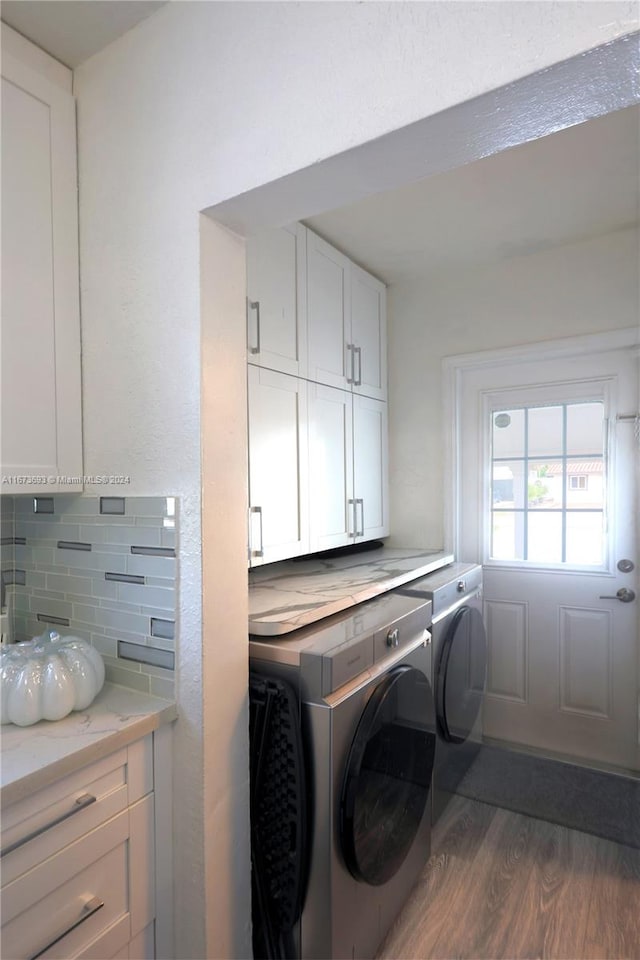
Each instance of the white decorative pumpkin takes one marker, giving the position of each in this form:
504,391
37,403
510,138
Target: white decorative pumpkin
47,678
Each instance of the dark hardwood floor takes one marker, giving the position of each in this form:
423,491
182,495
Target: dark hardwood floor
502,886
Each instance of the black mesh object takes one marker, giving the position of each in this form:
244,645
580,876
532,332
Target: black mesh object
278,815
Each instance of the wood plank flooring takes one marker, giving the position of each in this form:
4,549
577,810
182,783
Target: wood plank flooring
502,886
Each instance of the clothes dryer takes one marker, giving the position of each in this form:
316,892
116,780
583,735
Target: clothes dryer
459,651
359,691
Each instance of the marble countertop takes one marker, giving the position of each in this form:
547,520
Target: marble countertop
288,595
32,757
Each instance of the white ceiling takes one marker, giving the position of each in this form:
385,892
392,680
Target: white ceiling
580,183
73,30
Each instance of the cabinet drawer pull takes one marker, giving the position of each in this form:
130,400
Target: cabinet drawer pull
350,362
360,532
260,552
91,906
357,381
80,803
254,305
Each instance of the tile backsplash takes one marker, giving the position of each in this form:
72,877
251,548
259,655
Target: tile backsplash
101,568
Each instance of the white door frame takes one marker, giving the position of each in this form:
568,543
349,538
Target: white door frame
452,370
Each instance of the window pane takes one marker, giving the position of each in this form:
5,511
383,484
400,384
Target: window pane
584,429
585,538
585,484
507,541
544,537
545,431
544,484
508,433
508,484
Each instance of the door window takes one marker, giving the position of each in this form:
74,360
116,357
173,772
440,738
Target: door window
548,482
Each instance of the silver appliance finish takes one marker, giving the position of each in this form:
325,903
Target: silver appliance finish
450,589
336,665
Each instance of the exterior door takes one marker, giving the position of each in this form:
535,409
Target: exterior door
547,499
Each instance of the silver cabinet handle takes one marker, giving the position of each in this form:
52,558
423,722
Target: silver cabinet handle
254,305
360,532
357,382
79,804
352,504
260,552
624,595
350,354
91,906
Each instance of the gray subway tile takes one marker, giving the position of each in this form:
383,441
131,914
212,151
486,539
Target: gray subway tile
43,505
53,620
151,597
112,505
146,655
94,560
56,607
131,622
126,678
106,646
152,551
168,538
125,578
159,687
160,627
116,533
148,506
164,567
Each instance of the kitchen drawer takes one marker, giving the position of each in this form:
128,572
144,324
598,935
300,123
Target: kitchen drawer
61,906
41,825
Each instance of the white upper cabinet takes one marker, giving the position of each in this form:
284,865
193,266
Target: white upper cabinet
278,465
276,300
41,384
328,314
346,322
369,334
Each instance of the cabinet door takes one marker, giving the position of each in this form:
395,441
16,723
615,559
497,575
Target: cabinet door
276,300
278,466
370,467
41,399
328,314
330,467
369,334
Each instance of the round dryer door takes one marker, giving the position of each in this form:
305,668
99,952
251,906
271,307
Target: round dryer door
388,776
461,675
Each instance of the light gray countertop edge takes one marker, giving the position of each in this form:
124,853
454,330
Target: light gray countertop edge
33,757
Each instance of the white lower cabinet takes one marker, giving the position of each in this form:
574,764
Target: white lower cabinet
348,468
278,481
78,863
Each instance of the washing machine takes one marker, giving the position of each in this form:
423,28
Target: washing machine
459,651
342,765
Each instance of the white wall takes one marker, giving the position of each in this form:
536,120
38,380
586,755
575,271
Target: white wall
575,289
200,102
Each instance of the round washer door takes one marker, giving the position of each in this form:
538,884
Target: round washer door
461,674
388,776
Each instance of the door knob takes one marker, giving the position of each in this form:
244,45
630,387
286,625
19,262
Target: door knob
624,595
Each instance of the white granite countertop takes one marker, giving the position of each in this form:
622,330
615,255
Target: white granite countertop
288,595
32,757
